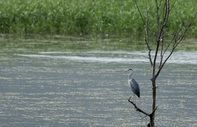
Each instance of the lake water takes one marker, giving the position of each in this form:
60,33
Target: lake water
87,88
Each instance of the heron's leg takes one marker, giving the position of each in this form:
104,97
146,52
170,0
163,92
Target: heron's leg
133,97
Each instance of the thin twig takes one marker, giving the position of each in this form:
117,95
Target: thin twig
172,5
161,54
153,111
146,36
183,34
165,17
151,31
139,12
160,3
174,38
158,24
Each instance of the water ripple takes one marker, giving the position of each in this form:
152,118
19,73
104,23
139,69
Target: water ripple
116,56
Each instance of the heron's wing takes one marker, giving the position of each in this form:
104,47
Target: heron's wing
135,87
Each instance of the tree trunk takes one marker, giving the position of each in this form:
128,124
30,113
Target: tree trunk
152,124
153,104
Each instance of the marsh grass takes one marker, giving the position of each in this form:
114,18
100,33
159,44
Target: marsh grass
86,17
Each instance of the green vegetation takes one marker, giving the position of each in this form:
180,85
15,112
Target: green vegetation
86,17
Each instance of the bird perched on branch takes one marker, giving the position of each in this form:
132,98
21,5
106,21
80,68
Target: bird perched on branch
133,84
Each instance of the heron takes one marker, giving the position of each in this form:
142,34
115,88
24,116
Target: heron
133,84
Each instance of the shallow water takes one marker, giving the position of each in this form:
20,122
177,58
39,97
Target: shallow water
89,88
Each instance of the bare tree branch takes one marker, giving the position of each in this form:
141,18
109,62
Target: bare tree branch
151,115
160,3
172,5
146,36
157,7
163,9
154,63
164,21
167,12
143,19
165,18
157,40
161,54
138,109
151,31
183,34
177,41
139,12
174,38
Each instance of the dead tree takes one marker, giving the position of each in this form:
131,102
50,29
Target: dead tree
163,9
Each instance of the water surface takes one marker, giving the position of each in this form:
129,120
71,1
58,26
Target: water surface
80,88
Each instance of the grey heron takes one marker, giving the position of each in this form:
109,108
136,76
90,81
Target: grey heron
133,84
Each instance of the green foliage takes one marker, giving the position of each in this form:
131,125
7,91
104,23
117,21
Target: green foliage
86,17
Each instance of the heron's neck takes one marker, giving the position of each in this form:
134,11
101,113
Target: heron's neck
130,75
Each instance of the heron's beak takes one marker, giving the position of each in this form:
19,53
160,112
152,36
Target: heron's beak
126,71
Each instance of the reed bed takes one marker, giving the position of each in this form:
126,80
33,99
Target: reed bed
87,17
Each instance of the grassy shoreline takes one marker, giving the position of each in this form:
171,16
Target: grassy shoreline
12,43
85,17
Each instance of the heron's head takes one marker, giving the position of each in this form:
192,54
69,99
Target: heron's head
130,70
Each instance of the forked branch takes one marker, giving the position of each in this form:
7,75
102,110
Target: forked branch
139,110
